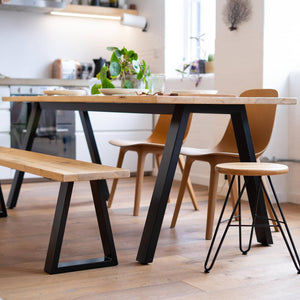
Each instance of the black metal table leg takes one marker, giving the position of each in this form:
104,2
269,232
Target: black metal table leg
27,145
163,185
246,151
3,212
52,264
92,145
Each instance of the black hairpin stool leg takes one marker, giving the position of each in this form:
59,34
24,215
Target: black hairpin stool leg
208,268
245,252
289,243
3,212
237,205
288,240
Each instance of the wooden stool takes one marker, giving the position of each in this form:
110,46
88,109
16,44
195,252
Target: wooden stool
248,170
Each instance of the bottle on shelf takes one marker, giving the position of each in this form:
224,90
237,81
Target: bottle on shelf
114,3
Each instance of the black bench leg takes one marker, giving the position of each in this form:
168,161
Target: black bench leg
3,212
52,265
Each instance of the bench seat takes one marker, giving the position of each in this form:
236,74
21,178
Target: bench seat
57,168
67,171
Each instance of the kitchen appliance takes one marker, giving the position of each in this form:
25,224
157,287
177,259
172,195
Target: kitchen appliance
86,71
44,6
99,63
66,69
55,134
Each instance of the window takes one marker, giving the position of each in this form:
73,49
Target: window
190,32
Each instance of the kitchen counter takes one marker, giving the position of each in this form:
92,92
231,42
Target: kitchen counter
44,81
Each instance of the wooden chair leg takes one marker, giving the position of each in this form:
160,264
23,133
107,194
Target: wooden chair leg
3,212
185,176
212,196
115,181
139,183
270,212
189,184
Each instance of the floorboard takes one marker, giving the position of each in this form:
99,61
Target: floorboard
177,270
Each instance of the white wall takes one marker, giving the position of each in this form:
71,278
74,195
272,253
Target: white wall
31,42
260,54
281,71
239,53
238,66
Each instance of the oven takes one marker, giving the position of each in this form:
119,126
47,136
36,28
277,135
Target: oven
55,134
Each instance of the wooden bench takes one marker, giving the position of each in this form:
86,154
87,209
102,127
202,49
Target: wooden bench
67,171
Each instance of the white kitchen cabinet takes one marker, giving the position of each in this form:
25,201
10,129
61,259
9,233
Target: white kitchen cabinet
4,121
4,92
5,173
105,121
108,126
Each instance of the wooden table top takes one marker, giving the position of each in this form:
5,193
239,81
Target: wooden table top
157,99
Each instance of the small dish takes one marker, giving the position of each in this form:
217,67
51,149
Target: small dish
65,92
120,91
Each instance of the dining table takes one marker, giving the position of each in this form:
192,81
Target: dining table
180,107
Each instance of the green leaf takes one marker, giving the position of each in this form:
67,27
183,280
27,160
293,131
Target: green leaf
124,51
127,85
139,75
182,72
98,76
95,89
106,84
136,65
114,57
112,48
131,55
115,69
118,53
103,73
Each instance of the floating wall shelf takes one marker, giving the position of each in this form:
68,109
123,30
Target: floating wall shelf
96,11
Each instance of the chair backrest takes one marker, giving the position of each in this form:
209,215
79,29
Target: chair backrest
161,129
261,120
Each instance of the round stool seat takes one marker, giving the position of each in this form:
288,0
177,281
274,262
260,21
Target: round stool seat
251,169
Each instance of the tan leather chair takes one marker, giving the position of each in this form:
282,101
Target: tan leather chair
261,120
154,144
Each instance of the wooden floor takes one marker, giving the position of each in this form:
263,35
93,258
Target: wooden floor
177,270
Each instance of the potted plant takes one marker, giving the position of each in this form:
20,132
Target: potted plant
125,65
209,65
